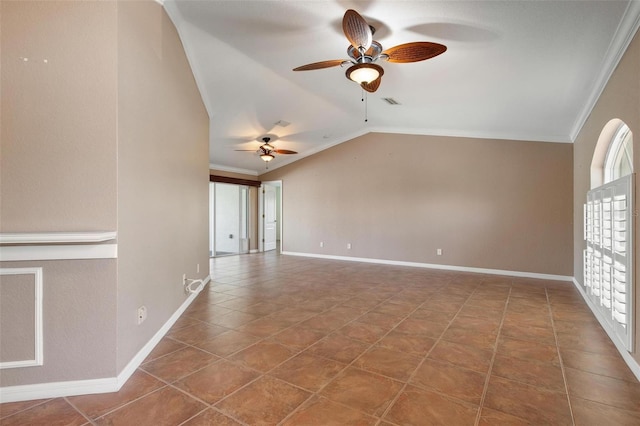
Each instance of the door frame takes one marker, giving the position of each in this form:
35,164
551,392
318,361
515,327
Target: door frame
279,217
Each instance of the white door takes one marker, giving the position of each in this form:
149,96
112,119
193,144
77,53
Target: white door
270,217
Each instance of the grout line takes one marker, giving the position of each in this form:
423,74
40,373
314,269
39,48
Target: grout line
564,375
493,357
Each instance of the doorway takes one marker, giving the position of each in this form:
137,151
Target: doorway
228,216
270,225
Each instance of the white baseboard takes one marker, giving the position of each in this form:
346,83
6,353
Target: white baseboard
626,356
92,386
436,266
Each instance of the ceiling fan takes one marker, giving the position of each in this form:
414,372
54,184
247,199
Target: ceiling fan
266,150
364,52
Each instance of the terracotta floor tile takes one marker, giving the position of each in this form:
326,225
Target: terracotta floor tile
393,309
308,371
543,335
413,344
462,355
588,341
176,408
179,364
197,333
264,327
10,408
450,380
56,412
391,363
489,417
443,305
484,341
323,412
525,349
228,343
299,337
541,374
266,401
543,321
381,320
479,325
603,364
606,390
164,347
424,328
94,406
589,413
538,405
293,315
261,308
211,417
481,312
325,323
362,391
422,407
184,321
233,319
216,381
368,333
208,313
263,356
338,348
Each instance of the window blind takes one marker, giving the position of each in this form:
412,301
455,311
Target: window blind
608,258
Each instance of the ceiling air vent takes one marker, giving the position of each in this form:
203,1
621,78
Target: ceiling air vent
391,101
281,123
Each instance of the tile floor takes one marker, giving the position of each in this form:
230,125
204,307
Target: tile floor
295,341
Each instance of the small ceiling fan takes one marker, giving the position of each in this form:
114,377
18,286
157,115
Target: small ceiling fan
364,52
266,150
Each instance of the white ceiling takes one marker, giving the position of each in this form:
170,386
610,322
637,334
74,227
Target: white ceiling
523,70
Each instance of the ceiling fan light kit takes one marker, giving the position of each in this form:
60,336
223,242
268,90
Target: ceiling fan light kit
364,73
266,157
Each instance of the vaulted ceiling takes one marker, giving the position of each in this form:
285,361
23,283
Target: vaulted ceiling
521,70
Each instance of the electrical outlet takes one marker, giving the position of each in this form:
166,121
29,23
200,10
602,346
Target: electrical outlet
184,279
198,268
348,246
142,314
439,252
321,244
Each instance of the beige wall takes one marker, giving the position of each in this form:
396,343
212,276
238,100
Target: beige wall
109,134
58,121
163,173
620,99
486,203
58,171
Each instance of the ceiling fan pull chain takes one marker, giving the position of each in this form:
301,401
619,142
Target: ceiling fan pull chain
364,99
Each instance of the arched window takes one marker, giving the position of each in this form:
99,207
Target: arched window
609,233
619,159
613,156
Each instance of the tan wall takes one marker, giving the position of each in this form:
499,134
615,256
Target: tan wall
486,203
109,134
58,171
58,121
620,99
163,192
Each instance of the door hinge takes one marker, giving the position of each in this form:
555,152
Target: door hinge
263,240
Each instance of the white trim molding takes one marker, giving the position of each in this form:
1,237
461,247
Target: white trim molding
56,237
626,356
58,252
38,350
436,266
93,386
21,246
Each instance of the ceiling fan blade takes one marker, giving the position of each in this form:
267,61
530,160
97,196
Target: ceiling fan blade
284,151
356,29
414,52
248,150
373,86
320,65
